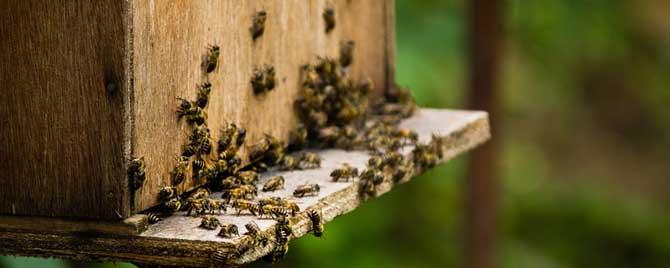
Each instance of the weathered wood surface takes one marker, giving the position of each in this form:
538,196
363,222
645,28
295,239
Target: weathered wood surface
170,39
178,241
87,86
61,126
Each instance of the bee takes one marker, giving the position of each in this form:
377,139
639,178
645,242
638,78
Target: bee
347,54
399,173
220,257
259,167
153,218
375,162
278,212
345,173
209,222
203,94
229,183
258,150
136,173
288,163
273,184
242,205
256,234
306,189
185,107
178,173
173,204
200,193
211,59
197,205
228,231
250,190
317,222
298,137
329,19
167,193
392,158
424,156
368,188
406,134
263,80
309,160
258,25
215,205
329,134
244,245
234,194
373,175
438,144
198,165
196,116
248,177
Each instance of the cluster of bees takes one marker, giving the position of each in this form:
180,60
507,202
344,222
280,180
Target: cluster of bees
334,111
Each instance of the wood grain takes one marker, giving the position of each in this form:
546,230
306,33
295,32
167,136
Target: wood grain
169,39
177,240
61,126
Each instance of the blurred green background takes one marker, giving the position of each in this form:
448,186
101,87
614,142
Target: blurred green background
584,165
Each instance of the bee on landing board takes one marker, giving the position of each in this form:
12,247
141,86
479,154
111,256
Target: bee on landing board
307,190
273,184
228,231
344,173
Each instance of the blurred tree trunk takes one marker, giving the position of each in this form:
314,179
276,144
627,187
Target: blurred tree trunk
485,47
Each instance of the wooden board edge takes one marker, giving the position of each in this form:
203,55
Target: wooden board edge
131,226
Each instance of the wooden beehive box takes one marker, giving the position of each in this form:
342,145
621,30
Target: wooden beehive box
86,86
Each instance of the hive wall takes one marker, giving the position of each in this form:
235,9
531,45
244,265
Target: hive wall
61,128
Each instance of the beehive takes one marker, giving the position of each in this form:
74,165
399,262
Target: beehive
87,86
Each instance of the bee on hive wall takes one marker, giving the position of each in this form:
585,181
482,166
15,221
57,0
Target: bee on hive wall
258,24
210,60
306,189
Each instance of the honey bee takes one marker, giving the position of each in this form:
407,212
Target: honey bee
198,165
203,94
215,205
250,190
259,167
253,231
197,205
438,144
230,183
209,222
373,175
345,173
167,193
375,162
288,163
178,173
309,160
399,173
306,189
258,25
424,156
347,53
244,245
234,194
248,177
173,204
136,173
200,193
242,205
298,137
273,184
153,218
196,115
228,231
185,107
392,158
263,80
368,188
330,134
329,19
406,134
211,59
317,222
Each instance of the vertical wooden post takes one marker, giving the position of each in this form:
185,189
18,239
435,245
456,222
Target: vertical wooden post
485,30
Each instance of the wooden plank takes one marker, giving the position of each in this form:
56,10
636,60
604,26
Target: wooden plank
130,226
170,39
177,240
62,109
